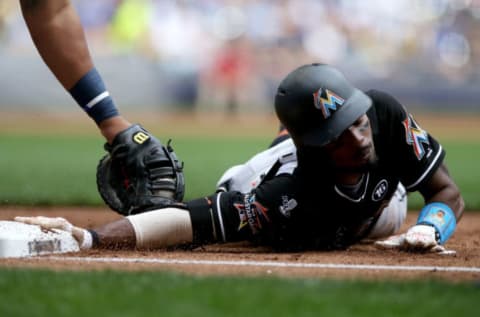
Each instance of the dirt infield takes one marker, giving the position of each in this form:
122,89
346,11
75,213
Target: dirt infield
360,261
443,126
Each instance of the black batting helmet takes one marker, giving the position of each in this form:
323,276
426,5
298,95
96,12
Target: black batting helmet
316,104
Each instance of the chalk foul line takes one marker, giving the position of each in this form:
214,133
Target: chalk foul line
271,264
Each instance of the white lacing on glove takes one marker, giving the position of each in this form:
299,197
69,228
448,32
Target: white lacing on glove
419,238
83,237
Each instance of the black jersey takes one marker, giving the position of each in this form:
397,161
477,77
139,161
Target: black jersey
306,209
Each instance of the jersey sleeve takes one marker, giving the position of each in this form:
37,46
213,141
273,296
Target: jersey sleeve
423,154
415,154
234,216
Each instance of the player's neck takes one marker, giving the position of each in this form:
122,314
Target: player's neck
348,178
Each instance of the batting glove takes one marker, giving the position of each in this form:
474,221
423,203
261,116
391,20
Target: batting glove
419,238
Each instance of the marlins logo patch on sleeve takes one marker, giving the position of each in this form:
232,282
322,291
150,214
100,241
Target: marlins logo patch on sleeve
251,213
416,137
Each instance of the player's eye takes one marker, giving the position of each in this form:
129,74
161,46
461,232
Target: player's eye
363,124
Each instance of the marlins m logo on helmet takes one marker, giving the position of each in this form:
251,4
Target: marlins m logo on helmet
326,100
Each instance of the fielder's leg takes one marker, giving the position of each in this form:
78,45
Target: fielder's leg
245,177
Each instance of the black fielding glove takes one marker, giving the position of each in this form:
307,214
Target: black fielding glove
139,173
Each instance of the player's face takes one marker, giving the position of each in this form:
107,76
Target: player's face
353,150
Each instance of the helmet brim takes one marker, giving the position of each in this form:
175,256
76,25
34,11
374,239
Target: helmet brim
356,106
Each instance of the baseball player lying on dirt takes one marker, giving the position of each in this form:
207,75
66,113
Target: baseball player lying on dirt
340,176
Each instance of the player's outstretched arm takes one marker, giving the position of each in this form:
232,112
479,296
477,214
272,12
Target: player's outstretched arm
213,219
437,220
56,30
150,230
443,208
441,188
58,35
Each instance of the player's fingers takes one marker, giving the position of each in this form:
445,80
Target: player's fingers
441,250
47,222
27,220
393,242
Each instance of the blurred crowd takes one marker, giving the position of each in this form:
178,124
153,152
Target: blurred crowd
234,46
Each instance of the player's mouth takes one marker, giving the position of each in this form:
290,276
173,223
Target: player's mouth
365,153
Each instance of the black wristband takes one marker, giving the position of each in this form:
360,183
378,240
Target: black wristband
95,239
203,222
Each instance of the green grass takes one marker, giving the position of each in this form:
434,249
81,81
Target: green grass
463,160
60,170
106,293
463,165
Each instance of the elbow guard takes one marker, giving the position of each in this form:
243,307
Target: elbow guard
226,217
207,221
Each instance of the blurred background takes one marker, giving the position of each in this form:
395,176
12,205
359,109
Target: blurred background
229,56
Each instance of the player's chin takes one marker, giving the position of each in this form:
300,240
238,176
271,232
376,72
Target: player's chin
359,166
354,169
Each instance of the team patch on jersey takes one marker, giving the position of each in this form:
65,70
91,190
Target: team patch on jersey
251,212
416,136
327,101
380,190
287,206
242,215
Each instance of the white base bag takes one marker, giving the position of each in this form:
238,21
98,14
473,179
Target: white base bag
22,240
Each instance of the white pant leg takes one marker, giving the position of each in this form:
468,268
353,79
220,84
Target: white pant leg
392,216
245,177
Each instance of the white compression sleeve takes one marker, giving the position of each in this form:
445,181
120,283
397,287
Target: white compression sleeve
162,228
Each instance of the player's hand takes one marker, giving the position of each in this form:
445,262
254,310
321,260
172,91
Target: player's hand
139,173
419,238
47,222
83,237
